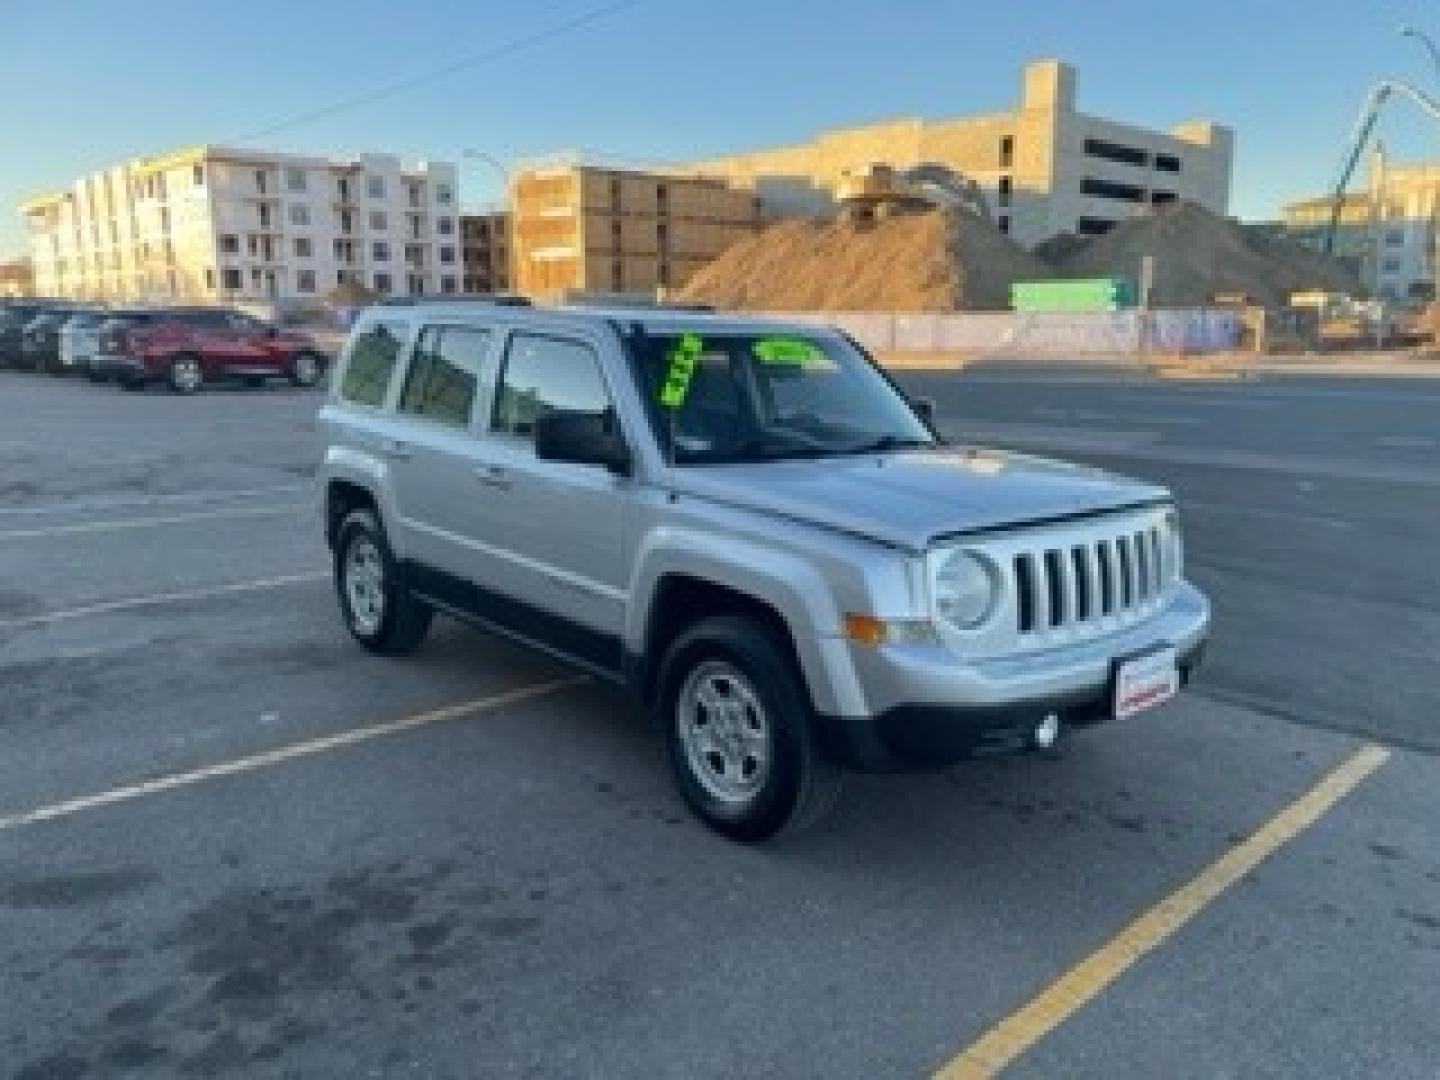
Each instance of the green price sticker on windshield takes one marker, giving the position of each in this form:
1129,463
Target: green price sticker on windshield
783,350
683,360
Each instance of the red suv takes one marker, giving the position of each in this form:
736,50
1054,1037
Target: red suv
187,346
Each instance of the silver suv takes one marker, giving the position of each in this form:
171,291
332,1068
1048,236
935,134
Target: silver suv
747,525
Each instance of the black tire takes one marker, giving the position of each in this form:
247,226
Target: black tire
255,382
800,783
131,384
96,376
185,373
403,621
306,369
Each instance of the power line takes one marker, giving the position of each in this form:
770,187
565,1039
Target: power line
584,18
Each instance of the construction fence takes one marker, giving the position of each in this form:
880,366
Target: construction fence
1201,330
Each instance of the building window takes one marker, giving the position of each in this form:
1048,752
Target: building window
615,194
617,276
443,195
1395,238
1005,224
412,193
382,283
1007,151
445,226
262,182
197,175
230,244
447,254
1106,189
662,197
662,235
662,275
299,214
1094,226
230,277
304,248
252,245
1160,198
375,187
377,220
295,178
1006,187
380,251
305,281
1167,163
447,284
342,187
209,277
1108,151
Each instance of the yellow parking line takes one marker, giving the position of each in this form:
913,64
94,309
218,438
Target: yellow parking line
1072,991
308,748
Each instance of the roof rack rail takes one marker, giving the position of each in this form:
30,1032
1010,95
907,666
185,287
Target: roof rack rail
622,302
495,299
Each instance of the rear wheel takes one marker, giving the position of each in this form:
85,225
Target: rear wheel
740,731
185,374
306,369
378,609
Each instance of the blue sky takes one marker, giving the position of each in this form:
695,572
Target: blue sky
95,81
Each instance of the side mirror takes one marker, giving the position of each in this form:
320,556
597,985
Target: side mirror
582,438
925,409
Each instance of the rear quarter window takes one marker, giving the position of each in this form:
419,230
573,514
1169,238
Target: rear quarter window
371,364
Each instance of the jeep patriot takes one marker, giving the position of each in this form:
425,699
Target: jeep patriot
751,528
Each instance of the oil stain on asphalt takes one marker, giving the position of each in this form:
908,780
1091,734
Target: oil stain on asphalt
258,971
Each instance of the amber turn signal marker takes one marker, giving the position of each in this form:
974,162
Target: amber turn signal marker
865,629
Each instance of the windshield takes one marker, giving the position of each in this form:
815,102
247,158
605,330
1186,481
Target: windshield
729,398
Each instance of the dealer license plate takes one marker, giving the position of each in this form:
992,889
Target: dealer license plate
1142,682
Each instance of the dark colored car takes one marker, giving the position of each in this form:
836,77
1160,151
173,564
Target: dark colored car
14,317
40,345
185,347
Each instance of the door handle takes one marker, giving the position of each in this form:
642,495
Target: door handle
495,476
396,449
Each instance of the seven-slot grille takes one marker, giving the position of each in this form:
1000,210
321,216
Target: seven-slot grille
1110,578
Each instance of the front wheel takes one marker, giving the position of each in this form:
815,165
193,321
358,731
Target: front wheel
306,369
740,731
378,609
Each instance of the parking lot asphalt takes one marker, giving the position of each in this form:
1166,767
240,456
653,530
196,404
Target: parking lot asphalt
233,844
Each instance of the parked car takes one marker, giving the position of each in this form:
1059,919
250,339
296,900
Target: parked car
185,347
14,317
40,346
748,526
80,340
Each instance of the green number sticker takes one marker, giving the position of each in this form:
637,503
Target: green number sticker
683,360
780,350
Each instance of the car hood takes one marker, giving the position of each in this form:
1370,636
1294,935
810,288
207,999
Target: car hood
911,499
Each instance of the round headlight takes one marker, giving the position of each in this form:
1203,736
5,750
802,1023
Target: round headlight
966,590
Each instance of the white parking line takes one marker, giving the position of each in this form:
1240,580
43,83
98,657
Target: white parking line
185,498
283,753
152,522
155,599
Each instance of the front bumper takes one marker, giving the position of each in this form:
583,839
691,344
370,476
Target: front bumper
924,707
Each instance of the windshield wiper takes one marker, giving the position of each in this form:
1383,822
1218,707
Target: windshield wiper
886,444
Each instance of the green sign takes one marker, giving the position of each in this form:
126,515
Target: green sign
781,350
681,369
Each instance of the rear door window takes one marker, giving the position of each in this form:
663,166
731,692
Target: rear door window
372,364
444,374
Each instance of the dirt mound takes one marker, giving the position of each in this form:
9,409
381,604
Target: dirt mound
934,261
1197,254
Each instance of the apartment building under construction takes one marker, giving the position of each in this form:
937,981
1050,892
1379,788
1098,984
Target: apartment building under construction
588,228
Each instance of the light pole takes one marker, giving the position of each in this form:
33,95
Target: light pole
1427,41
